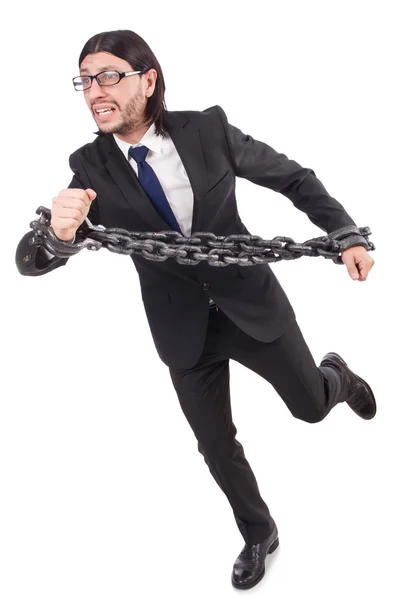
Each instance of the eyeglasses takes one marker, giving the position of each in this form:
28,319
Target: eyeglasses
103,78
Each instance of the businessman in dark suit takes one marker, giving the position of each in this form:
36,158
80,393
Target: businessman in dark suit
151,169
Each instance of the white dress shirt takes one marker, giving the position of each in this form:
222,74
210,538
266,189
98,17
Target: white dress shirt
166,163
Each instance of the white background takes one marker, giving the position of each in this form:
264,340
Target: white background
103,492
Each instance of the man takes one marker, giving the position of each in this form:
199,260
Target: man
151,169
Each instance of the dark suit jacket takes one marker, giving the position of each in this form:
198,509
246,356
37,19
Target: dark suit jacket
176,296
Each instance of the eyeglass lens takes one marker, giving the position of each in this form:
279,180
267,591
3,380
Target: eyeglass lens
105,78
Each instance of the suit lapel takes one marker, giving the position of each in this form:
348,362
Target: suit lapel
186,138
187,141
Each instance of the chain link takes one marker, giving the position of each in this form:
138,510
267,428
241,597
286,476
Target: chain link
218,251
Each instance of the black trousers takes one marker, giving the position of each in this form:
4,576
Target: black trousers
309,392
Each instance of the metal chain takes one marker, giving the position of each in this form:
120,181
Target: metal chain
218,251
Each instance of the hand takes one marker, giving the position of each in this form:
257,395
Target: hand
358,262
69,209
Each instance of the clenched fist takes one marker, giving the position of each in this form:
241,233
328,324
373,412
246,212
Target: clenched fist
69,209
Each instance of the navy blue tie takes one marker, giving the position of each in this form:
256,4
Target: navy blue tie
152,186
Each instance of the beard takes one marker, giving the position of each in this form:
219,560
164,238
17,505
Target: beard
130,119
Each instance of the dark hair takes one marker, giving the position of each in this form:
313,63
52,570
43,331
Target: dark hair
131,47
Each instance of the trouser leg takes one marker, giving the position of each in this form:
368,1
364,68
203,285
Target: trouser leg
204,396
309,392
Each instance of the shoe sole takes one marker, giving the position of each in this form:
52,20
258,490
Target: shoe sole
242,586
365,385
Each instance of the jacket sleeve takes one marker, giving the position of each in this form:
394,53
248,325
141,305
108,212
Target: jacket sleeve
261,164
33,260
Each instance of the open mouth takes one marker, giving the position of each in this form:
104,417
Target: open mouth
104,113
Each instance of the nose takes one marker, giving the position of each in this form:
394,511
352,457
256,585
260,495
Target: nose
95,91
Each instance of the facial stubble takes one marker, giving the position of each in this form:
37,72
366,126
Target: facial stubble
131,117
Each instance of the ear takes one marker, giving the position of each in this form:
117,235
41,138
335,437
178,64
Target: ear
150,82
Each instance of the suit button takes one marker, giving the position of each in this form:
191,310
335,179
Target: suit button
206,287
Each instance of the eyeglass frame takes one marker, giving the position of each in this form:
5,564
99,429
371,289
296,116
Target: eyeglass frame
121,76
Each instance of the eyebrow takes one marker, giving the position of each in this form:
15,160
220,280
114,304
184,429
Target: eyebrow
102,69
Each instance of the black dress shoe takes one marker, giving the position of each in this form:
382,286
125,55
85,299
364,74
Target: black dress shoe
360,397
249,567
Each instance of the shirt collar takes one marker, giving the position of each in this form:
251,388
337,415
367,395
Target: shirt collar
151,140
